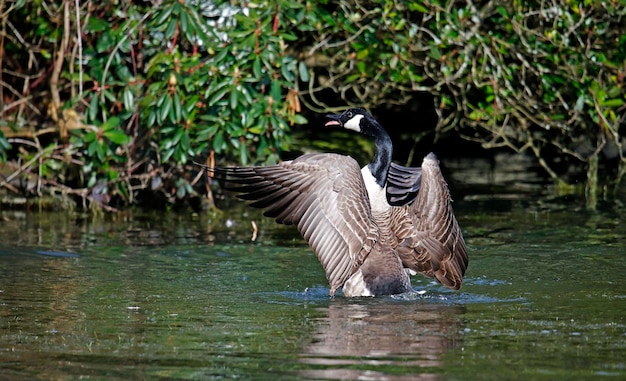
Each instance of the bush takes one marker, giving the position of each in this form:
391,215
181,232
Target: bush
541,77
125,96
137,91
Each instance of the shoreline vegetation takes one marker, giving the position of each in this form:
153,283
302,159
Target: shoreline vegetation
106,106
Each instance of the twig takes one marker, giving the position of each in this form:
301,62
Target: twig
21,169
79,192
58,66
79,40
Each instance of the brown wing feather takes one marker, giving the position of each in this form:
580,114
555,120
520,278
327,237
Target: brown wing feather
324,196
431,240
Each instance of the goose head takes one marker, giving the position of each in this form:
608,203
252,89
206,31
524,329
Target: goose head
359,120
356,119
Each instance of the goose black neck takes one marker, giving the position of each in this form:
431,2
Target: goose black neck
379,166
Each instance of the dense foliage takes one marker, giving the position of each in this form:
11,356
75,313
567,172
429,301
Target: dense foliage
107,100
157,87
543,77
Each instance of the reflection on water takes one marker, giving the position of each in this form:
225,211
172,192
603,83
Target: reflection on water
178,297
362,340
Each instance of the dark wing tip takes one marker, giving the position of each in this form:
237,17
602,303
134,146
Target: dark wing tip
403,184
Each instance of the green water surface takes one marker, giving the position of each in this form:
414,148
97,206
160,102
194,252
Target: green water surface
187,297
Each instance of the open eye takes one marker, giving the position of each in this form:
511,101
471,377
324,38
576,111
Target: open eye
349,114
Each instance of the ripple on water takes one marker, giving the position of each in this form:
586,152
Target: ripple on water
433,293
444,296
484,281
309,294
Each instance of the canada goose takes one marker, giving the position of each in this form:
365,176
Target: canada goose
429,237
365,246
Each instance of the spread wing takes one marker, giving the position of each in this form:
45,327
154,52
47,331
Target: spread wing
431,240
403,183
324,196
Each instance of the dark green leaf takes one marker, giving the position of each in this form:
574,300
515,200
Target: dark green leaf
234,96
190,104
111,123
151,118
164,14
218,142
92,180
171,28
117,137
221,55
165,108
256,68
93,108
90,136
246,95
243,154
289,37
171,113
177,108
4,144
105,42
276,90
218,95
435,52
96,25
129,99
287,73
183,22
298,119
123,73
304,72
616,102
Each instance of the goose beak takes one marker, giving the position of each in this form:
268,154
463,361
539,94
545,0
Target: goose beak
333,120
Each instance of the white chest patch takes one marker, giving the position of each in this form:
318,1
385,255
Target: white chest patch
376,194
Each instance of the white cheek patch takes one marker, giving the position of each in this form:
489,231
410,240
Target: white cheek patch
354,124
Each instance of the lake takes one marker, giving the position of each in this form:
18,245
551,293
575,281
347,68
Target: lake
181,296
